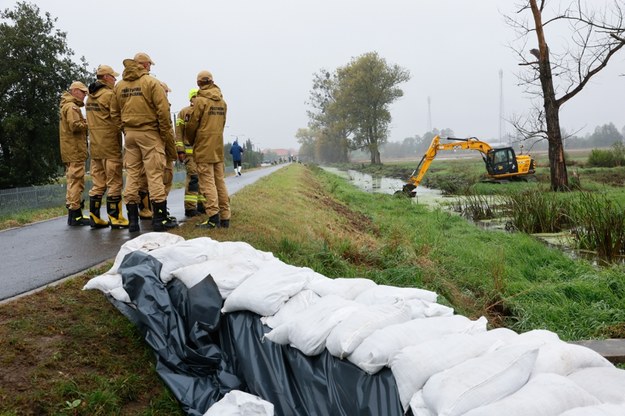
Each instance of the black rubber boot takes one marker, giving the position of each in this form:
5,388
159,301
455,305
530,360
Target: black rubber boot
145,207
133,218
200,207
191,213
161,221
211,222
75,218
114,211
95,202
224,223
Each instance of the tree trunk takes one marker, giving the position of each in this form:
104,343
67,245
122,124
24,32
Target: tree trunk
557,165
375,154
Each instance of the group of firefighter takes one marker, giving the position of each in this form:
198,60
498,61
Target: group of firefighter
137,106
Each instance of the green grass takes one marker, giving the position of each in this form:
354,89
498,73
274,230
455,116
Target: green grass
69,352
29,216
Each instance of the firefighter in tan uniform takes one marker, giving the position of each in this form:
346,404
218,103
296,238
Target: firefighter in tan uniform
205,131
105,141
193,202
142,106
73,141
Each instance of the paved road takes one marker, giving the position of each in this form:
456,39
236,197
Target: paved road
39,254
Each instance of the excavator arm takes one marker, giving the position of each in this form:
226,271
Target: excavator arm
435,146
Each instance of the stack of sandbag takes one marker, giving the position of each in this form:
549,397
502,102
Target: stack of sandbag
443,364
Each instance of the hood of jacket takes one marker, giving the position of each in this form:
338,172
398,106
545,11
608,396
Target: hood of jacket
66,98
96,86
133,70
212,92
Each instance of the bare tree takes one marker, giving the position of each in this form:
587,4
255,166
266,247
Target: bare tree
594,34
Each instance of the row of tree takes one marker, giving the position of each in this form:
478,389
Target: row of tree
350,105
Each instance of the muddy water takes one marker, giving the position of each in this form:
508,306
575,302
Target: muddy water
384,185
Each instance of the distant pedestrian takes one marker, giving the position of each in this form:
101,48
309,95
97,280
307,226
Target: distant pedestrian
73,141
205,131
105,141
237,153
141,103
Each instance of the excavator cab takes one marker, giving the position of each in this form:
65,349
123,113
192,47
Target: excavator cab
501,161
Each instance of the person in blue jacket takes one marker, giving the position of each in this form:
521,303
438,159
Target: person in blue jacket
237,152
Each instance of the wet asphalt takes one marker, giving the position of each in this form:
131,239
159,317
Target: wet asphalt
36,255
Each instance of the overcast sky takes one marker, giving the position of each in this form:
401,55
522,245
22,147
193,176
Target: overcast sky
263,55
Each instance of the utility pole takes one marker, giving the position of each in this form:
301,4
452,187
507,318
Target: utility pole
501,122
429,114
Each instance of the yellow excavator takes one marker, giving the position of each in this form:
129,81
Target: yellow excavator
501,163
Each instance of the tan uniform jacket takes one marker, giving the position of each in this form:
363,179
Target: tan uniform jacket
141,102
72,130
105,139
205,129
183,117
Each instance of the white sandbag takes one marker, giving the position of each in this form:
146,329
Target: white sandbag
184,253
145,242
564,358
239,403
414,365
543,395
418,406
383,294
375,351
308,330
479,381
423,309
347,288
228,273
598,410
267,289
348,334
111,282
605,383
535,338
296,304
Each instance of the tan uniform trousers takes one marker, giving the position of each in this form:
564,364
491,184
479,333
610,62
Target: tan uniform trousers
75,175
144,150
191,186
106,174
213,189
168,176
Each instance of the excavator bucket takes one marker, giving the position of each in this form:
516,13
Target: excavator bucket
407,190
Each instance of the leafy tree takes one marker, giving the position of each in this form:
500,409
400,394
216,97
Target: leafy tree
350,107
557,75
35,68
306,139
327,120
366,87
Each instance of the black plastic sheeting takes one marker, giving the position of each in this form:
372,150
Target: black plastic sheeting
202,354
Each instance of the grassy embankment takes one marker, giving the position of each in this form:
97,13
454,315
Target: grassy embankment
67,351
